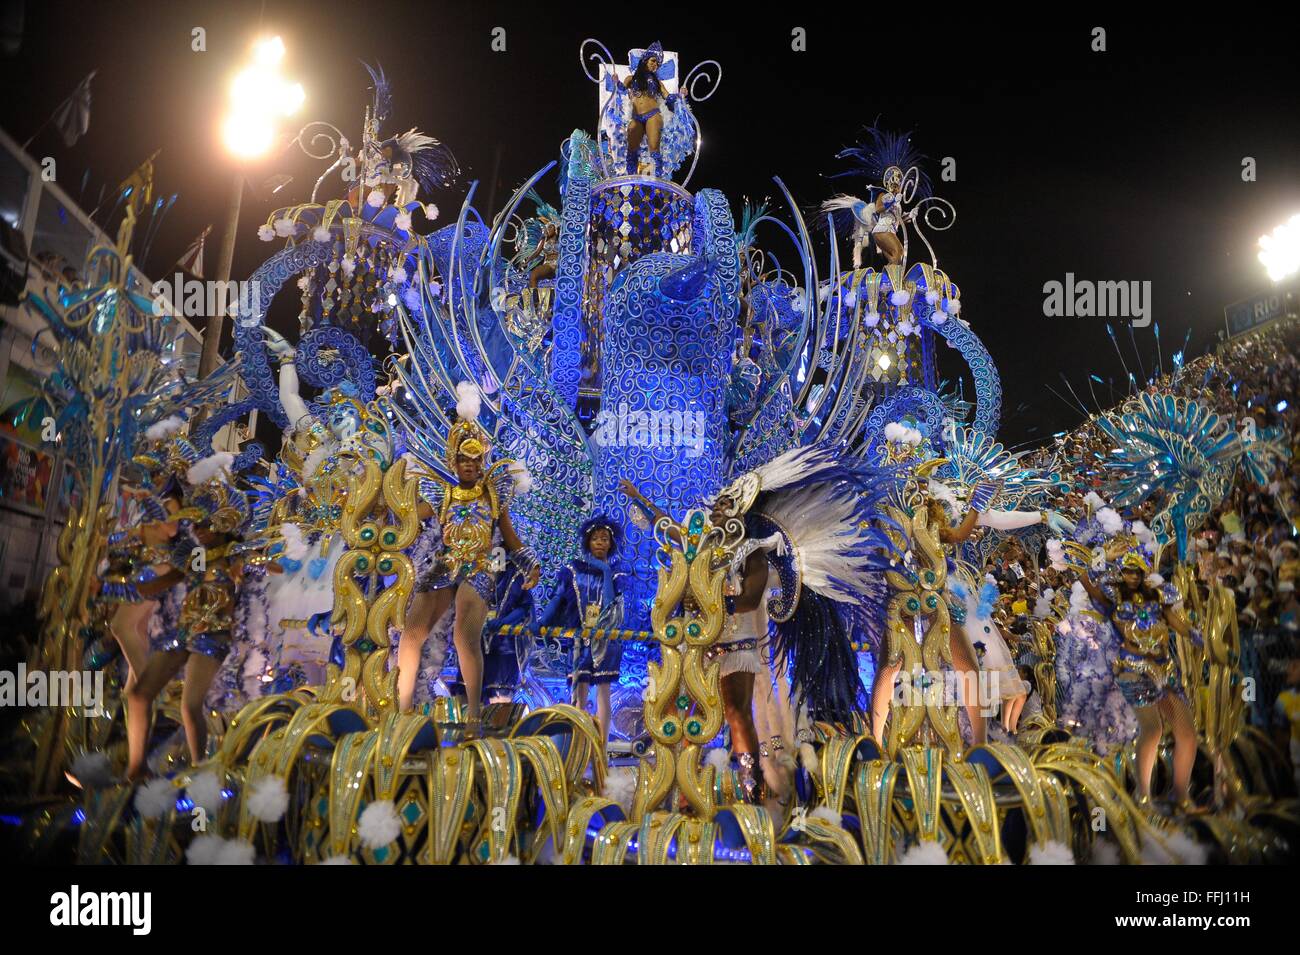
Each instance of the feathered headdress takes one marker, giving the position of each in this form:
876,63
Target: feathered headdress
467,436
884,157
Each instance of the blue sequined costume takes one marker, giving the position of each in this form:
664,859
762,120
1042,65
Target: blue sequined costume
578,602
503,654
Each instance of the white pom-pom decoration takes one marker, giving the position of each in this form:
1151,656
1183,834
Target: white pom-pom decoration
872,319
952,306
931,296
379,825
164,428
155,798
403,221
375,198
214,465
468,401
925,853
204,850
1050,853
620,786
1094,501
430,211
320,234
338,860
1105,852
718,758
269,799
285,227
236,852
1173,848
1110,520
204,790
827,814
265,233
349,264
899,297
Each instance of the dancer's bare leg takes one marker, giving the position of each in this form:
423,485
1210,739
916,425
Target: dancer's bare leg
130,629
200,671
426,610
1178,716
1011,712
467,632
1150,729
968,685
889,246
882,694
153,679
604,709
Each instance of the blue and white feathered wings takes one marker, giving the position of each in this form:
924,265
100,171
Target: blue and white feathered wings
828,512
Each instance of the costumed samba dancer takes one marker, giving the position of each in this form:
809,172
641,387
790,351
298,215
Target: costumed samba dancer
648,98
1089,701
1144,609
976,643
140,578
324,452
814,519
890,160
589,595
218,512
471,516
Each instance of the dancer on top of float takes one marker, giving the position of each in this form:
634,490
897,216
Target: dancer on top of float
648,97
888,159
589,596
976,643
814,519
471,515
1145,609
219,512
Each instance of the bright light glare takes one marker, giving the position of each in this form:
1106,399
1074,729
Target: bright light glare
258,97
1280,252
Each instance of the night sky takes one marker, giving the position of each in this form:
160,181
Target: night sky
1124,165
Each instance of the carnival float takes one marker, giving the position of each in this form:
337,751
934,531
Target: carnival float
623,444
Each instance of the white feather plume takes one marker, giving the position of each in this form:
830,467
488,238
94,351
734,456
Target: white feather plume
214,465
468,401
827,530
164,428
1094,501
718,758
924,853
379,825
522,477
295,545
